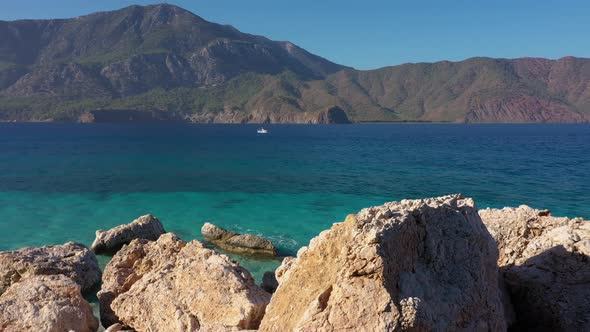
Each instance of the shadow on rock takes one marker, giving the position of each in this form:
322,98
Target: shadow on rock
551,291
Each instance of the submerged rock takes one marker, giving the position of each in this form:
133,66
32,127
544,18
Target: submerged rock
145,227
546,267
171,285
48,303
416,264
71,259
238,243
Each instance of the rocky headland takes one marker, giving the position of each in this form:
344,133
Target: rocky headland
417,265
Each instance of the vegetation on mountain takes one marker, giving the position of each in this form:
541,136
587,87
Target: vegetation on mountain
163,58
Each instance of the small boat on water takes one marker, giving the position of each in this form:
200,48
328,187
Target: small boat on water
262,131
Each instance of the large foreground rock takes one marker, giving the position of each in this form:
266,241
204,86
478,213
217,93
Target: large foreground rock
73,260
171,285
145,227
239,243
45,303
420,265
130,264
546,266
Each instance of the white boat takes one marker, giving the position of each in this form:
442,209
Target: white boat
262,131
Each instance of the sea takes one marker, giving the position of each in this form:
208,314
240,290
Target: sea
61,182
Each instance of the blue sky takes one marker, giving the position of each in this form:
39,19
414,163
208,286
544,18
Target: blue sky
369,34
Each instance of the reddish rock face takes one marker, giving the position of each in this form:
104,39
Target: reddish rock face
522,109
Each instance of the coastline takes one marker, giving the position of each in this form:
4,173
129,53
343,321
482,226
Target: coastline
502,243
172,122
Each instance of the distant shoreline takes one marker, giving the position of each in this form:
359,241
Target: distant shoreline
303,124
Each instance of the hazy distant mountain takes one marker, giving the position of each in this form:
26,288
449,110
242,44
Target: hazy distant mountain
164,63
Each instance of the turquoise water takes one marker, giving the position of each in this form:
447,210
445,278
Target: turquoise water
61,182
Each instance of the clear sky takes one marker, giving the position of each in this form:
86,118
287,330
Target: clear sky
369,34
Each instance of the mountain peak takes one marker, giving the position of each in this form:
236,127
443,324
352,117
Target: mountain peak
162,12
186,49
159,6
169,9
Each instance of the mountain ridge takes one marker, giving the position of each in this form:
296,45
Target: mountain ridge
162,58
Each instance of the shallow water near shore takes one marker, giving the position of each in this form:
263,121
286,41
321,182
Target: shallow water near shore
61,182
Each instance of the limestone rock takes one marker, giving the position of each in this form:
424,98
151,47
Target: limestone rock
239,243
49,303
130,264
145,227
419,265
545,264
285,266
71,259
171,285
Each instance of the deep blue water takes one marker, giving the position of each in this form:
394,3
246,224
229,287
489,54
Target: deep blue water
61,182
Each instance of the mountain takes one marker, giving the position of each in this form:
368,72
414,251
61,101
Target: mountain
474,90
162,63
